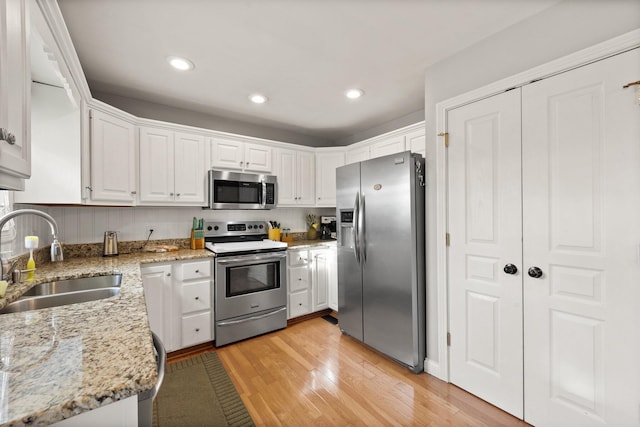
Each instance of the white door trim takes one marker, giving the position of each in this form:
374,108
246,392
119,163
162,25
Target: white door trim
599,51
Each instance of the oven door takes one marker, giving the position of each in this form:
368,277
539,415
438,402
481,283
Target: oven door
247,284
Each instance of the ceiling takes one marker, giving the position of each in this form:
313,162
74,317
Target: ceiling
302,54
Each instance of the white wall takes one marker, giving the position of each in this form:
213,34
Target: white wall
86,224
569,26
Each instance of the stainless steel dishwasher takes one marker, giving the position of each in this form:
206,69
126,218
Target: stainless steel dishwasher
145,399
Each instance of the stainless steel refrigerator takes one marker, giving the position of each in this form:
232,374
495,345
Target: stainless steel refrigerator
381,259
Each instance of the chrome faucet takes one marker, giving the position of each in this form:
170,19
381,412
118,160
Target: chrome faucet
56,247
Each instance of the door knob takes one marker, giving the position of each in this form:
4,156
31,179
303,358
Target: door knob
535,272
510,269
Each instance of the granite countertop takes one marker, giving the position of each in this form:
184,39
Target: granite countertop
62,361
301,244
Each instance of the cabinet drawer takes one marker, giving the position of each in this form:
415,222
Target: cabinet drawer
196,296
194,270
298,279
298,258
299,304
196,329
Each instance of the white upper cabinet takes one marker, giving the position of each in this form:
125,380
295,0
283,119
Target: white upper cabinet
190,168
387,146
15,94
357,154
410,138
113,159
172,167
296,177
232,154
327,161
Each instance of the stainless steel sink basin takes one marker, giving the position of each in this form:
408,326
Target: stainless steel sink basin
64,292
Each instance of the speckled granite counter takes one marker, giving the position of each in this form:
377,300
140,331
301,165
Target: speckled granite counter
301,244
62,361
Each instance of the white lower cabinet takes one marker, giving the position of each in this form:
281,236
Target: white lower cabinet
179,302
312,280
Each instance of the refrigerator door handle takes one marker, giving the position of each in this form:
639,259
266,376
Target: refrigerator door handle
362,232
354,227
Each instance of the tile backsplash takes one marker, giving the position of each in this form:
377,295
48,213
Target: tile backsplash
87,224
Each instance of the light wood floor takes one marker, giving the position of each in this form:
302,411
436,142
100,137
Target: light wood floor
310,374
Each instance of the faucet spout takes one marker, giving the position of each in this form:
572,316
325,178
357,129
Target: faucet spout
56,247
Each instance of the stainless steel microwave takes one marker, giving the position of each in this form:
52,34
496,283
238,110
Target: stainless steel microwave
233,190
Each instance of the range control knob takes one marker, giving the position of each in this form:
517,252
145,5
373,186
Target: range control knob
261,226
250,226
216,228
209,228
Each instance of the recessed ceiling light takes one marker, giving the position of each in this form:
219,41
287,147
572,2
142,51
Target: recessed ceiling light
256,98
181,64
354,93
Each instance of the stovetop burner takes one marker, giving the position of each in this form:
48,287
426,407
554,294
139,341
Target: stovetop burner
233,237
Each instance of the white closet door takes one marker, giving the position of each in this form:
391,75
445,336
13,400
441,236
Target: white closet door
485,223
581,186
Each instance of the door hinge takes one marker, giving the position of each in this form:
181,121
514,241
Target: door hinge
448,239
446,138
448,339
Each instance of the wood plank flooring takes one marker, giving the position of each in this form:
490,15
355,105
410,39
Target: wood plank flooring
310,374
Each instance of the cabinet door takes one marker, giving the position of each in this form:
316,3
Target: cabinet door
190,169
113,166
320,279
257,157
287,177
306,178
356,155
298,278
326,164
156,282
196,296
299,304
227,154
15,90
156,165
388,146
196,329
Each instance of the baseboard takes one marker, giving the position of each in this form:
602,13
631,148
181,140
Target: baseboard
434,368
185,353
309,316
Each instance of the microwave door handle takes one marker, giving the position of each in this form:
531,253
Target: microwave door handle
263,202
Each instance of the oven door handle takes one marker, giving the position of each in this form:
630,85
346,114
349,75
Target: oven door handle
249,319
251,259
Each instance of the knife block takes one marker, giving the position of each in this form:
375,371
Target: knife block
197,239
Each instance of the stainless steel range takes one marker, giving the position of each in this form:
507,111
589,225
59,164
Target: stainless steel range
250,280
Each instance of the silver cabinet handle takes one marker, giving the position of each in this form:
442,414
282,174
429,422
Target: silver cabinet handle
133,193
171,194
88,187
177,194
168,274
197,298
197,271
197,329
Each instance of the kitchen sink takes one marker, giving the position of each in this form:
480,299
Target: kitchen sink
65,292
